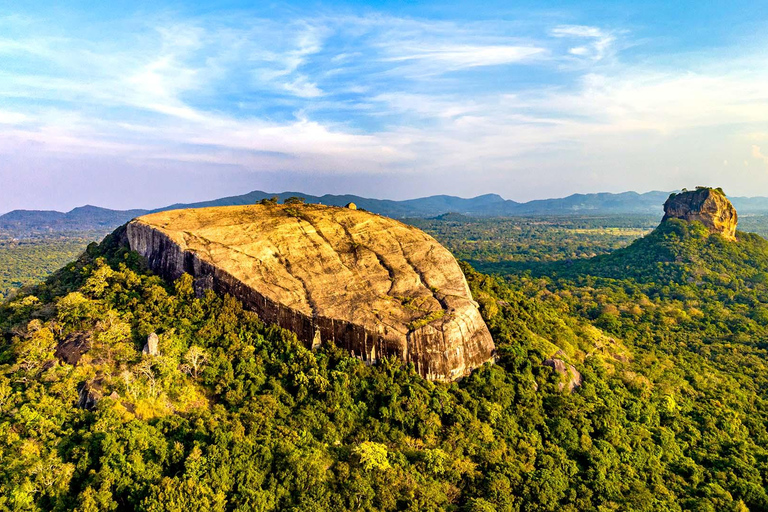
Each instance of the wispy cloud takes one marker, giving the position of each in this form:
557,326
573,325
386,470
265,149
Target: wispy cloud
591,42
484,104
468,56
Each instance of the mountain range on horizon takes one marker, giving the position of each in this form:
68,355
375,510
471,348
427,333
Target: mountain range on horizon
94,218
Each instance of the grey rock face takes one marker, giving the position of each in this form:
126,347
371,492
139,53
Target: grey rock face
150,347
89,395
72,348
573,377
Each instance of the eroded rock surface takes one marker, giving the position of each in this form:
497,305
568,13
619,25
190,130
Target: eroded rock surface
371,284
706,205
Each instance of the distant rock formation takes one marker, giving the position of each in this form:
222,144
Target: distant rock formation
370,284
706,205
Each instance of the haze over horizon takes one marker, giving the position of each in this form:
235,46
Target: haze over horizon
168,102
305,193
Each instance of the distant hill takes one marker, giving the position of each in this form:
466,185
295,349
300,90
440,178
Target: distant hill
21,223
490,205
626,202
421,207
750,205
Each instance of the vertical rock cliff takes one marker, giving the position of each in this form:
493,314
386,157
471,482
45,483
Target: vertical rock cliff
370,284
706,205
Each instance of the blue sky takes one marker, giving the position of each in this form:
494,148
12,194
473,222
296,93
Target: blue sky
142,104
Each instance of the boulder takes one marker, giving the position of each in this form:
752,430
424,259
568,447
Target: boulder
89,394
367,283
150,347
706,205
73,346
572,378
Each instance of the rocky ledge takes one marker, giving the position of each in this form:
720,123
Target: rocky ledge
706,205
370,284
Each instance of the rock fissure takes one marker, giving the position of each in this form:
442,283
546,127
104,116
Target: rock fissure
321,235
307,293
390,270
422,277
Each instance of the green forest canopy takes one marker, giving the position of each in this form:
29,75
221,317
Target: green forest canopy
237,415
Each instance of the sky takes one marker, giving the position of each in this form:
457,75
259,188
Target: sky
142,104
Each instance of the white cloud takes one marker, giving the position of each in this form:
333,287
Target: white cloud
579,50
758,154
303,88
578,31
467,56
373,95
601,40
12,117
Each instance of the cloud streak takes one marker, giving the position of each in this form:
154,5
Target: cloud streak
454,57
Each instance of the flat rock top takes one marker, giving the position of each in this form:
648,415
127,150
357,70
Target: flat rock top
326,261
706,205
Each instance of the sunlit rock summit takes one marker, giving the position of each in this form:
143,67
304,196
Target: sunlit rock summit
706,205
368,283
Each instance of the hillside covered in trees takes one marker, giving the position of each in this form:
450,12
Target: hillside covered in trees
233,414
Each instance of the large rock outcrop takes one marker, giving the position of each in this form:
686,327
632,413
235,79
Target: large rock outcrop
373,285
706,205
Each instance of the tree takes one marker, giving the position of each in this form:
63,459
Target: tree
372,456
36,346
196,357
75,309
145,368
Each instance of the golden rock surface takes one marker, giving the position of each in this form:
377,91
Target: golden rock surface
706,205
368,283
